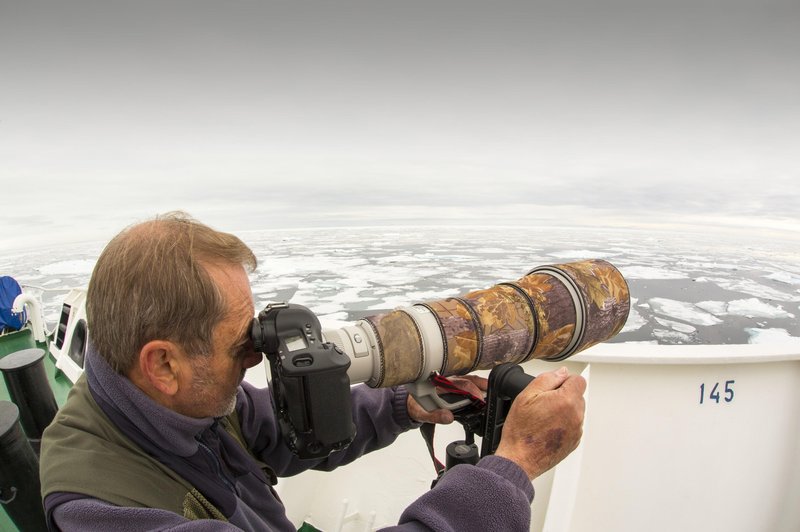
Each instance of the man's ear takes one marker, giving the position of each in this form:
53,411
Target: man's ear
161,364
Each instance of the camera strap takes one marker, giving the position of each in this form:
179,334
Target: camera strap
428,430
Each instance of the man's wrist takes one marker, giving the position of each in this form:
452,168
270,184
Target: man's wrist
400,409
510,470
530,468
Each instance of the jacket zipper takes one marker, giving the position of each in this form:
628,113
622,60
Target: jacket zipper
217,465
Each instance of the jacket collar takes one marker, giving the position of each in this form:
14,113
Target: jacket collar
165,428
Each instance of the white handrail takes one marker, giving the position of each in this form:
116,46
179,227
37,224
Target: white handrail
35,315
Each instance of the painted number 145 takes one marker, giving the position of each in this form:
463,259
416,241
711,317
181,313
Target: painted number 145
715,393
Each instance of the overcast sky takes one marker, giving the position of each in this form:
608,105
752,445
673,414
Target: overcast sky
265,114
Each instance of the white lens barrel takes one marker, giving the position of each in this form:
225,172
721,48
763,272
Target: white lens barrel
359,342
432,339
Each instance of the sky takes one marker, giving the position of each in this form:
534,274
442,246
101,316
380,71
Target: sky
270,114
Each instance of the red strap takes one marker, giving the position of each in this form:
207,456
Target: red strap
427,429
448,386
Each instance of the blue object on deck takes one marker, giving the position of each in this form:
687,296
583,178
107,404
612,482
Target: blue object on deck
9,290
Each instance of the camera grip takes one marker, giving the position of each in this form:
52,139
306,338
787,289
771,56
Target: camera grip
424,392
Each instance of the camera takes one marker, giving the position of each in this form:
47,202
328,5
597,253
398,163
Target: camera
310,387
550,313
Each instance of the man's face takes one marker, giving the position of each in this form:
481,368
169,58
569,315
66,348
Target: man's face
215,379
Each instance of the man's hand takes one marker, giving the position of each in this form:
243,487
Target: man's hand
545,422
470,383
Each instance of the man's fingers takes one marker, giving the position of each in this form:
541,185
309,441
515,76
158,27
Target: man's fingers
574,383
417,413
472,384
482,383
443,416
548,381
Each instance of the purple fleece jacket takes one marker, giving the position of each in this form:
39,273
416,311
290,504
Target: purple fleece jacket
494,495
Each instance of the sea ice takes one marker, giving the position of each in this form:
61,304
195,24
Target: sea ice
318,307
580,254
683,311
264,289
409,298
718,308
676,325
751,308
635,321
696,264
66,267
771,336
481,251
340,271
272,285
24,278
390,259
647,272
672,337
754,308
335,320
748,286
784,277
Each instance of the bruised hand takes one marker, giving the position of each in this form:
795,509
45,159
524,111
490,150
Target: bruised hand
545,422
470,383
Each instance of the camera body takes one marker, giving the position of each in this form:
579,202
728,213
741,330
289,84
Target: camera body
310,386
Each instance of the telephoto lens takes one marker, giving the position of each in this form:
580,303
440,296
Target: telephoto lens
551,313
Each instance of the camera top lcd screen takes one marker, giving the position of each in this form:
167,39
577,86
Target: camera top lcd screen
293,343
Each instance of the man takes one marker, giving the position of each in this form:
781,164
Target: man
162,433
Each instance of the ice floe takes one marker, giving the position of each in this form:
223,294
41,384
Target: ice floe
648,272
751,308
705,264
771,336
672,337
682,310
402,258
336,320
635,321
748,286
410,298
676,325
73,267
784,277
580,254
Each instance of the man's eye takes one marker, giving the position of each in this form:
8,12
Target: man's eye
242,349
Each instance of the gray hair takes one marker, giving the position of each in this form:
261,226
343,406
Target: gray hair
150,283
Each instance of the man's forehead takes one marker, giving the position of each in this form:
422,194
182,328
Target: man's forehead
234,285
232,279
243,311
244,329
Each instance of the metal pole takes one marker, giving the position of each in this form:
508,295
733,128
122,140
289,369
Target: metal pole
20,490
26,380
